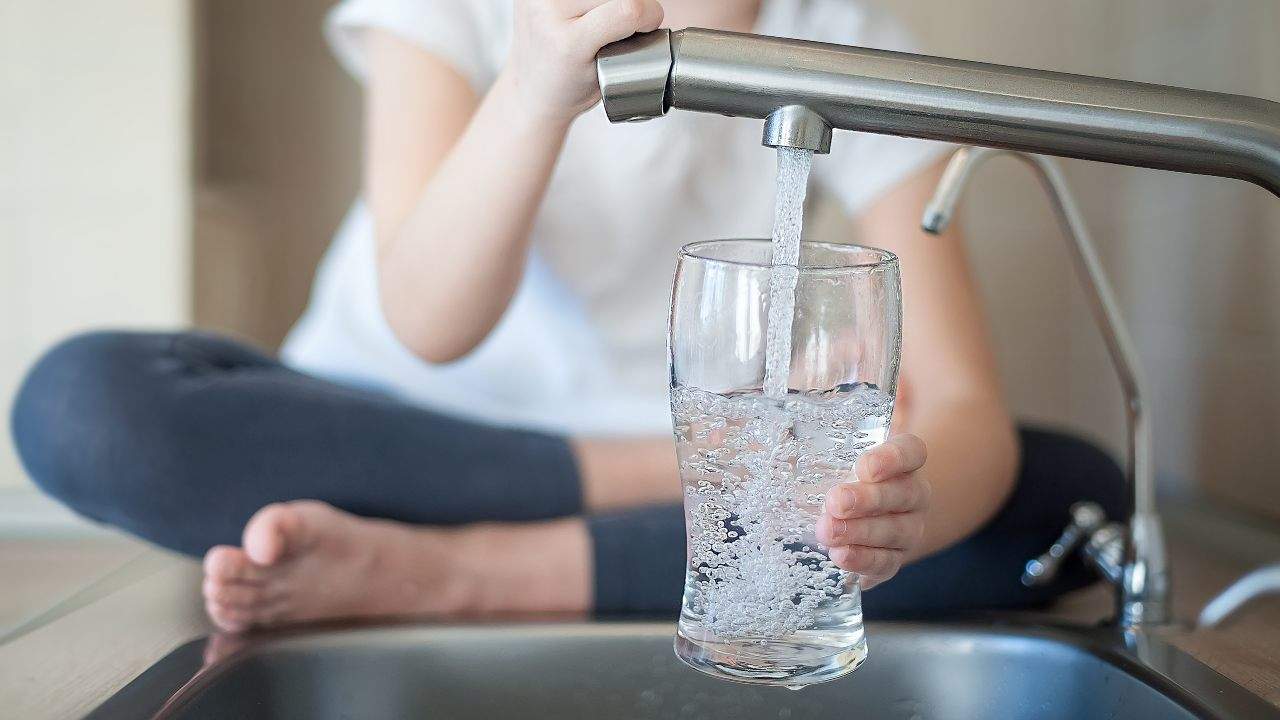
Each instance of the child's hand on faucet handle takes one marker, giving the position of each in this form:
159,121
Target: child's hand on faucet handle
871,526
553,52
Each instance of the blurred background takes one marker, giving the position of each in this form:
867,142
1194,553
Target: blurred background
168,163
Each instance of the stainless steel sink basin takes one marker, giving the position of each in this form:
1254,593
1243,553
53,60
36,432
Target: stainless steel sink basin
628,670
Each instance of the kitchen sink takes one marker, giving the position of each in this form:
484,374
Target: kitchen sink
628,670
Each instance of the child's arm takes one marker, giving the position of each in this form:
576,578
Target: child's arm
950,393
454,181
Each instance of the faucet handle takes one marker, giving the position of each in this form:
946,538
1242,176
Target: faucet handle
1086,518
1105,551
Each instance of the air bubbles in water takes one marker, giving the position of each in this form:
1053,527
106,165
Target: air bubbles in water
756,569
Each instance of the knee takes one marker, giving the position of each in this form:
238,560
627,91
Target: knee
1069,469
73,410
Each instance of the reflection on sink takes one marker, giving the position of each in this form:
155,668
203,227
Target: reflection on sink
628,670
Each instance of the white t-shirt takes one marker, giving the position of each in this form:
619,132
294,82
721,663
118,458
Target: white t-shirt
582,348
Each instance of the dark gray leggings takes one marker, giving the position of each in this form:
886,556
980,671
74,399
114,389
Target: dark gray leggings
179,438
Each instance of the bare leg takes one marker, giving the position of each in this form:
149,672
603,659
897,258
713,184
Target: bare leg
625,473
305,560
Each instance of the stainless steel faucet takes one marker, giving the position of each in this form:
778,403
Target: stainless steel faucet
804,89
1132,556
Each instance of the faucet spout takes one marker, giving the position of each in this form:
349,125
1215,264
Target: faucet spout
796,126
964,102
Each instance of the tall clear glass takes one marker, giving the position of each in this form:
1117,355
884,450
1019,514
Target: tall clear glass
762,601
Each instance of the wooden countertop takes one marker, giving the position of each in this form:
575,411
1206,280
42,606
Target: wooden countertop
90,646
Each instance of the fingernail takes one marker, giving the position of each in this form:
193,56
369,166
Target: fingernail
839,555
838,528
881,465
828,529
871,466
839,501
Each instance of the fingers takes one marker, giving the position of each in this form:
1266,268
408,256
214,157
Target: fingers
870,562
619,19
570,9
897,532
900,455
897,495
869,525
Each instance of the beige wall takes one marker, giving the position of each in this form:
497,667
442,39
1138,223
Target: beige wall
278,147
94,216
1194,260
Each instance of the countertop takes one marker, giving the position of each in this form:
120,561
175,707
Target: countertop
67,661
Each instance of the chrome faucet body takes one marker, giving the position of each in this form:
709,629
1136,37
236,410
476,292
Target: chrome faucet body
958,101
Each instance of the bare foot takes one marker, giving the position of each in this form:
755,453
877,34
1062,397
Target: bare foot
306,560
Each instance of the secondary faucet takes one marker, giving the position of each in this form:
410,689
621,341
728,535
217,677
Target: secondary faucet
804,89
1133,556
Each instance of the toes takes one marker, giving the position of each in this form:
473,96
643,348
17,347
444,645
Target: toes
231,564
237,609
231,588
230,619
248,587
232,594
239,618
264,536
275,531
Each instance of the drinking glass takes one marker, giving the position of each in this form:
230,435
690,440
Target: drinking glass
762,601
